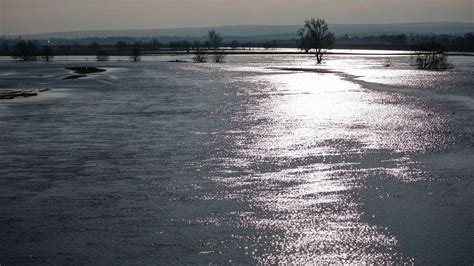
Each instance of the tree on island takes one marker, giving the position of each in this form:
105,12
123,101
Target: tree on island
25,50
315,35
136,52
432,56
215,42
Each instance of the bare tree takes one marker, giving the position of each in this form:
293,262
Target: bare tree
136,52
432,56
215,42
121,46
305,41
199,54
315,36
25,51
154,45
47,53
102,56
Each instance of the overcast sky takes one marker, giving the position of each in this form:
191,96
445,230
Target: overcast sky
36,16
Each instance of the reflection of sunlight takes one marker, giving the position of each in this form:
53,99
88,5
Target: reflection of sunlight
310,118
313,139
314,108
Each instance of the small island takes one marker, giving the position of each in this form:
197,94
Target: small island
12,94
82,72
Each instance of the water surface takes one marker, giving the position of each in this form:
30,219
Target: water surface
159,162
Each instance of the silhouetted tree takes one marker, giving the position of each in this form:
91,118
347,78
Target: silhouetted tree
270,45
234,44
207,45
64,49
305,41
121,46
199,55
136,52
464,43
432,56
399,39
25,51
5,45
196,45
102,56
154,45
215,42
95,47
249,45
76,46
180,45
187,46
47,53
316,35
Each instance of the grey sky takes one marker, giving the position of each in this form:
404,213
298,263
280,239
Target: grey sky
35,16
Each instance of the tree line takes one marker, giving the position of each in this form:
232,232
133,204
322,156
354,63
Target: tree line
314,37
30,51
464,43
33,51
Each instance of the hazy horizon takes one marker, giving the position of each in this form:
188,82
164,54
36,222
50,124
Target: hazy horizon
44,16
231,25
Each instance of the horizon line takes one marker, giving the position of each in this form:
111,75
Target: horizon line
222,26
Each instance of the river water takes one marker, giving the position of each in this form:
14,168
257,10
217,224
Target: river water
243,162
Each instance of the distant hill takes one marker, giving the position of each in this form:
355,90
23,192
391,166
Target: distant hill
272,32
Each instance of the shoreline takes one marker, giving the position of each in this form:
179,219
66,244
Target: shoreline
230,53
13,94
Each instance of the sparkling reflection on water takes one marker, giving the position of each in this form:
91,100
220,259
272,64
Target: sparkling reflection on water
238,162
307,149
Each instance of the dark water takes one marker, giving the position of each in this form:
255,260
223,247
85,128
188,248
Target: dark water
157,162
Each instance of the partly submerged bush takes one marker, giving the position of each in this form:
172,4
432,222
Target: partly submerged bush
218,57
102,56
431,56
200,56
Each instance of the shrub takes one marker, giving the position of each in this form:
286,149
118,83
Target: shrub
431,56
102,56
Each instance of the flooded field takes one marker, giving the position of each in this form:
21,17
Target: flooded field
262,159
